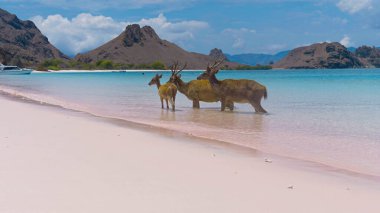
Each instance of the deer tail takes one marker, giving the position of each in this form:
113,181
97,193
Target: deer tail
173,93
265,93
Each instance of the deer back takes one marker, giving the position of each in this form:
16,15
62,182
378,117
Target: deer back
241,90
167,89
202,90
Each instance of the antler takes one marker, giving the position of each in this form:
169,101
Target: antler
184,66
217,63
213,68
175,68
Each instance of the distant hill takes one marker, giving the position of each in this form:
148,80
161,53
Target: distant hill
254,58
321,55
369,55
22,43
141,45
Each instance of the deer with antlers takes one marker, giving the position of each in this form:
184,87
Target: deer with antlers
237,91
166,91
195,90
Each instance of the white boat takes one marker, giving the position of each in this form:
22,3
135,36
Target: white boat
13,70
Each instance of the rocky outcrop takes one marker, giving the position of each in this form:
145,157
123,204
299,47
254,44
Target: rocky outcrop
22,43
320,56
217,54
141,45
370,55
135,34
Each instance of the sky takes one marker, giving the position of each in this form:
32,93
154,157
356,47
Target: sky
235,26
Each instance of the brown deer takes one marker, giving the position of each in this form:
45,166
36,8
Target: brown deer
195,90
166,92
237,91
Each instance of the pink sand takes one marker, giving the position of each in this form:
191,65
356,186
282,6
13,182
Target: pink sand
57,161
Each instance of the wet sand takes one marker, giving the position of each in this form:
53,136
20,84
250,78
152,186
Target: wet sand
61,161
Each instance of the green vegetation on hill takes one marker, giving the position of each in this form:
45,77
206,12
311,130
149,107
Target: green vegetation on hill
158,65
56,64
51,64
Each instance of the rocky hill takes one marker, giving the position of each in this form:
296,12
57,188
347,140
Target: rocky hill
369,55
22,43
217,54
320,56
141,45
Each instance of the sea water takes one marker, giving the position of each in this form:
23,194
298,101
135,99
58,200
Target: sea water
326,116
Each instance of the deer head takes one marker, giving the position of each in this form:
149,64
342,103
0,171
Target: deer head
210,70
155,80
176,72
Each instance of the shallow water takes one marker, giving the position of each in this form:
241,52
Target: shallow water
328,116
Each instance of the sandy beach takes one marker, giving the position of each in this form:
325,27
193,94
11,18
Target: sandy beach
55,160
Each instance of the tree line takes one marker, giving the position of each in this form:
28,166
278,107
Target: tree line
57,64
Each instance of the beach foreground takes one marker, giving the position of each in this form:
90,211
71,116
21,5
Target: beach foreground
54,160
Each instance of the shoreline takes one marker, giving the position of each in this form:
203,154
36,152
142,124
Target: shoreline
162,131
107,71
192,70
69,161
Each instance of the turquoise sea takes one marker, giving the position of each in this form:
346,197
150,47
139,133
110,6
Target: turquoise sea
326,116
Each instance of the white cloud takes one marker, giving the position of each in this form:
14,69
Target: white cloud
174,31
276,47
238,43
354,6
79,34
85,31
239,36
242,30
346,41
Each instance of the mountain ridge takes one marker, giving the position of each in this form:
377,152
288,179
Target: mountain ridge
139,45
321,56
369,55
23,44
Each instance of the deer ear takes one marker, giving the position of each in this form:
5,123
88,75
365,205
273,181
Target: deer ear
160,76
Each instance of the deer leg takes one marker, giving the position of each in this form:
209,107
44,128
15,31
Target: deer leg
230,105
258,107
162,103
167,104
223,102
196,103
173,104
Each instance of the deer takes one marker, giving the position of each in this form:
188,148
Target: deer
166,91
235,90
195,90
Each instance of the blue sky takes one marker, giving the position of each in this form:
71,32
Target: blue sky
235,26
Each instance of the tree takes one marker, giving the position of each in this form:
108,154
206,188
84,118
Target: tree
158,65
104,64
